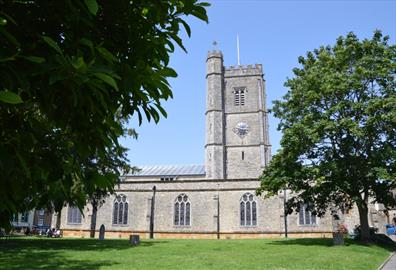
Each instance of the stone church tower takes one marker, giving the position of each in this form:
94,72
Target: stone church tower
237,144
212,200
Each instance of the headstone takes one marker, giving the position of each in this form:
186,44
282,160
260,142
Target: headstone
102,232
338,239
339,229
134,239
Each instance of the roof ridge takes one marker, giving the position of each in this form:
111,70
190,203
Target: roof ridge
169,165
170,170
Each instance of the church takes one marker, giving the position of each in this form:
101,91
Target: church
216,199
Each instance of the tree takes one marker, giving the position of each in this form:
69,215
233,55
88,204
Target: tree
96,199
72,73
338,121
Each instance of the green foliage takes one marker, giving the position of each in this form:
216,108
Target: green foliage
72,73
92,6
10,97
339,127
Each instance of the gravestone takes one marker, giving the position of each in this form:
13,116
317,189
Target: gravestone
102,232
339,229
134,239
338,239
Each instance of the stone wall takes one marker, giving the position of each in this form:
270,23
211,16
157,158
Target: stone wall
270,221
252,161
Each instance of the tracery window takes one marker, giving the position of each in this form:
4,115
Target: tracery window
305,217
120,210
248,210
74,215
239,96
182,211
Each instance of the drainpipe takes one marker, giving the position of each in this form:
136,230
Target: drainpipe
218,216
217,198
152,214
284,211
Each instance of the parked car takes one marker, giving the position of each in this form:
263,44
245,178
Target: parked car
390,229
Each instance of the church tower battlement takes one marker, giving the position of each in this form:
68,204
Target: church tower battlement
237,141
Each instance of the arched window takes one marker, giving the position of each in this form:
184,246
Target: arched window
120,210
182,211
248,210
74,215
305,216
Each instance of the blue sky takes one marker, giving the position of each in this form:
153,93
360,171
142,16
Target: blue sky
273,33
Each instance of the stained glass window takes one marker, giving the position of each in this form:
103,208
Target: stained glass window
242,211
254,214
177,216
305,216
120,210
125,213
248,210
187,213
115,212
182,211
248,213
74,215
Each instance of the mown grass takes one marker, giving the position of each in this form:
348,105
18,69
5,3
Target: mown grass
44,253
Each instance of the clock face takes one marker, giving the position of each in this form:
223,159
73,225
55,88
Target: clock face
241,129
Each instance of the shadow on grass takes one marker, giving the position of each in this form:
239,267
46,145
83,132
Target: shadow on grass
48,260
304,242
326,242
44,253
73,244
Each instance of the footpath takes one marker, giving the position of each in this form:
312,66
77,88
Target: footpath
390,264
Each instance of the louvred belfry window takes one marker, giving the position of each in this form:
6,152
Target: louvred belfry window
239,96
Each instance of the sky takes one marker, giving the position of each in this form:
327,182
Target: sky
271,33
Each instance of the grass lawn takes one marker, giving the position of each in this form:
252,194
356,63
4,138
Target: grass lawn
44,253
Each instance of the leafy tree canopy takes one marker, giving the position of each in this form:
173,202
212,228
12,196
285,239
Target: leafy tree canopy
338,121
72,73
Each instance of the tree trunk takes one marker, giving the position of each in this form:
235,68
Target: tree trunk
93,219
58,220
364,226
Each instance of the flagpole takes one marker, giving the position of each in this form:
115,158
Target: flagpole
238,49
